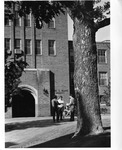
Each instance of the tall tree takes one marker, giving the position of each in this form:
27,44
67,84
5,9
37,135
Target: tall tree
88,18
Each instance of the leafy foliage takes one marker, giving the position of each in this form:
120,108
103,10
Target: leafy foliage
107,95
44,11
101,11
13,71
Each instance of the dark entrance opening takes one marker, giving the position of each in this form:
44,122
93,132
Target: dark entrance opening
23,105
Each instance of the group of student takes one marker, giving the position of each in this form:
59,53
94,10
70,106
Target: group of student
59,111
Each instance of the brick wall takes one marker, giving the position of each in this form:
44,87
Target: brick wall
40,80
104,67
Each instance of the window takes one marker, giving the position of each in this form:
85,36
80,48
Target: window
51,24
7,44
38,46
17,44
102,58
103,79
7,21
17,19
52,47
17,47
28,20
28,47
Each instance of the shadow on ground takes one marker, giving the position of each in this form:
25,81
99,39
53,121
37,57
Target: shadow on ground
31,124
8,144
101,140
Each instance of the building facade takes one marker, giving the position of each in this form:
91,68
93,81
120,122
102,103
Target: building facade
103,67
46,52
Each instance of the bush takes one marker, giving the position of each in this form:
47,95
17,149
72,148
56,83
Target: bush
105,109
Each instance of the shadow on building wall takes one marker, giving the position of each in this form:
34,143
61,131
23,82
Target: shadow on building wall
52,88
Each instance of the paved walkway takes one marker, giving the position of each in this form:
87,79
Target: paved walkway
26,132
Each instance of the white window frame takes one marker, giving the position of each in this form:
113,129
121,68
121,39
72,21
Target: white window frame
30,47
50,24
103,76
54,47
9,21
100,57
9,43
39,47
26,19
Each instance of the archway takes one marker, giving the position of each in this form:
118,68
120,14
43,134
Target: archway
23,104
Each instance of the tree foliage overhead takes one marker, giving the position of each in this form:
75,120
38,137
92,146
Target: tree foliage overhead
44,11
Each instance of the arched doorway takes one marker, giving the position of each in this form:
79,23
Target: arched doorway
23,104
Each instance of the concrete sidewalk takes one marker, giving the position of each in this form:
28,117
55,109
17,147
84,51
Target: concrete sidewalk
26,132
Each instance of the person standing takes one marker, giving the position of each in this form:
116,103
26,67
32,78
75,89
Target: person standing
61,107
72,108
55,108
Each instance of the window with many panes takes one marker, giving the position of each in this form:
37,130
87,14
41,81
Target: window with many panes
28,47
102,56
103,79
52,47
17,19
38,46
51,24
28,20
17,44
7,21
7,43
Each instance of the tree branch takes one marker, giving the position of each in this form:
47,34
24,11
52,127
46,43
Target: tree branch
102,23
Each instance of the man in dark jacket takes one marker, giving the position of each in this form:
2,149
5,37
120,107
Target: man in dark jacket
55,108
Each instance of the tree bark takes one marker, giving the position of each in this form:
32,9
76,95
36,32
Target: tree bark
101,24
85,79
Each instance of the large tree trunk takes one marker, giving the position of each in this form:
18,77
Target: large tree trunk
85,79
